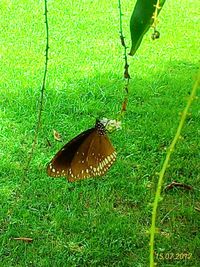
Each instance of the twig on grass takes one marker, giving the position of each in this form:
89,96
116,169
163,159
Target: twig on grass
25,239
176,184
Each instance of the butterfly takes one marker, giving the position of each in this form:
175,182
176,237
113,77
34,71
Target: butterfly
87,155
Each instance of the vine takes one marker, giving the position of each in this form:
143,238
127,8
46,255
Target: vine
43,88
126,65
166,164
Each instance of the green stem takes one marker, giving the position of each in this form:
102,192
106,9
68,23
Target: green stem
43,87
126,65
165,165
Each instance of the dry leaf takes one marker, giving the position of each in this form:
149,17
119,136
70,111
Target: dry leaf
124,104
56,135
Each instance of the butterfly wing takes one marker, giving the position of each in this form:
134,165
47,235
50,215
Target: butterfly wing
102,155
87,155
94,157
79,168
61,163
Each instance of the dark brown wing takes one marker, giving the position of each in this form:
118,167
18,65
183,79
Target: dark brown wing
93,158
87,155
61,163
103,156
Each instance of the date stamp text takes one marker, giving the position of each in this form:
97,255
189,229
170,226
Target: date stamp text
173,256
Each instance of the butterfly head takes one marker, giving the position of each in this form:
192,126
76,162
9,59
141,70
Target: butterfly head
108,125
100,127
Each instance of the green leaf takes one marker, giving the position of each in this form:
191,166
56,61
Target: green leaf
141,20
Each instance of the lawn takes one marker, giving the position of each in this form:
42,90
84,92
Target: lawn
102,221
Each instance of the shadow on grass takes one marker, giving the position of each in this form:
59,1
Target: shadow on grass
101,221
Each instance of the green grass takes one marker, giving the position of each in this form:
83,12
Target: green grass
103,221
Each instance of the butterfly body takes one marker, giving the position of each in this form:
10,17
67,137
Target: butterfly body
89,154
